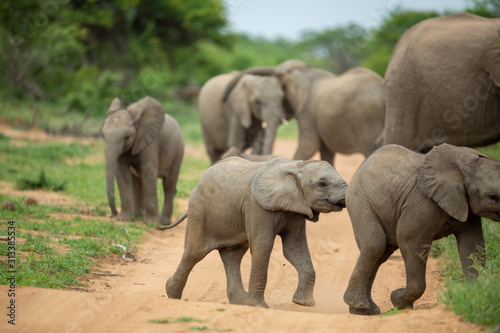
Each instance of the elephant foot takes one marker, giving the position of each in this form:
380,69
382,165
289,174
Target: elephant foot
357,300
364,312
150,219
254,302
399,300
163,223
172,291
303,300
237,297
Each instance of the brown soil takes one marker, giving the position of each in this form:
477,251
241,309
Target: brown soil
129,300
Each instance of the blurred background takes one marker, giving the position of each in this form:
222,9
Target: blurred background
62,61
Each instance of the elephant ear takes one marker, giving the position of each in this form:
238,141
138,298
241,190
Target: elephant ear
491,61
441,176
239,102
149,117
276,187
115,105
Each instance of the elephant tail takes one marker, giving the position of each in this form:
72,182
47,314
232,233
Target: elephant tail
170,226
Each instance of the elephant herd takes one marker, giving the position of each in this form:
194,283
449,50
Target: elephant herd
441,90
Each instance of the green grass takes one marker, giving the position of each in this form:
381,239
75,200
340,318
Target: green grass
54,251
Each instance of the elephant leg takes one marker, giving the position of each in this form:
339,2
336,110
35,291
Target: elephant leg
388,252
326,154
138,197
471,246
309,143
415,254
149,186
169,190
296,251
261,244
373,252
176,283
124,180
231,257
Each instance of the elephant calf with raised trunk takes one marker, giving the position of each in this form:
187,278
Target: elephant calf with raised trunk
142,144
239,204
248,118
402,199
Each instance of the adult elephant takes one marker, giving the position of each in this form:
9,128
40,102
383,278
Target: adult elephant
250,115
442,84
334,114
142,144
345,115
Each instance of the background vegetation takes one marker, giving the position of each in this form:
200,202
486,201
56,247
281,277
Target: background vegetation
62,62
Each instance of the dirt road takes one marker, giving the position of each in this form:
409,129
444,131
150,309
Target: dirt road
127,302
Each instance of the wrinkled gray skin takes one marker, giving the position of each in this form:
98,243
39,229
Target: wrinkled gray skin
250,203
402,199
254,108
442,84
335,114
345,115
233,151
142,144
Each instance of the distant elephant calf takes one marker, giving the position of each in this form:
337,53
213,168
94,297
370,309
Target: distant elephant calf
402,199
142,144
239,204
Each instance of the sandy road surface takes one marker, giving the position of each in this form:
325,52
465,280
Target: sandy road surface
126,302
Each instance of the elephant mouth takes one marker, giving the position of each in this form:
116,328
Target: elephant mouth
494,216
329,206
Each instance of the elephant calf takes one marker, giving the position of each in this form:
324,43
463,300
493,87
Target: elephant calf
142,144
402,199
239,204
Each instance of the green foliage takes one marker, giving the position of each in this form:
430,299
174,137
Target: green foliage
49,271
385,37
485,8
473,301
342,47
40,183
39,263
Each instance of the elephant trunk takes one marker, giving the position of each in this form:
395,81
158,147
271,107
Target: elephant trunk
111,164
269,136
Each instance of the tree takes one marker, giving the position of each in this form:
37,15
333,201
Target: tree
342,47
485,8
385,37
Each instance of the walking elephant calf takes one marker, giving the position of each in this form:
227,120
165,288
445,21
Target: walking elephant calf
239,204
402,199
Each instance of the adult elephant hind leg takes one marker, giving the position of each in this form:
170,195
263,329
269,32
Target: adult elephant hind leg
309,143
231,257
296,251
176,283
372,243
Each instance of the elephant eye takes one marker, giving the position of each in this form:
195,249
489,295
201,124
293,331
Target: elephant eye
494,197
322,184
257,101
